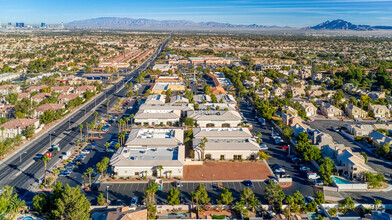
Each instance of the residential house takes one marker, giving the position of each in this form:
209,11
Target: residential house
146,150
7,111
330,111
380,111
23,95
9,88
288,110
123,213
83,89
379,139
290,120
355,112
298,92
309,108
359,129
67,97
46,107
220,119
376,95
279,92
40,97
17,126
36,88
62,89
224,144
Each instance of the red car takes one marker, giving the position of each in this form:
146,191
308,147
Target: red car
285,147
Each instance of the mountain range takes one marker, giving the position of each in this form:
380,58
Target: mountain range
131,23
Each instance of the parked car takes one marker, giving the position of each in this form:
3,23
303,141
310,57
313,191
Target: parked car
296,160
312,176
335,129
271,180
285,147
133,204
263,146
318,182
304,168
278,169
85,151
179,184
248,183
38,157
70,166
278,140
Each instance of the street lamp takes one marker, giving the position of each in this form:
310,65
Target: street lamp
20,157
107,194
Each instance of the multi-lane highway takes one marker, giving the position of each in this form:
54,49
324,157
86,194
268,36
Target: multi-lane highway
21,171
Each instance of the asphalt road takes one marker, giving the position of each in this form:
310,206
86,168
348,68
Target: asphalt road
22,175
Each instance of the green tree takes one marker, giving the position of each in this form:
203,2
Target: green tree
319,197
101,200
29,131
81,131
347,204
173,197
189,122
326,168
365,156
377,204
225,198
10,204
107,144
160,168
274,193
63,203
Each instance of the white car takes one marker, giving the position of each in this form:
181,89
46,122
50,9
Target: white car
263,146
304,169
85,151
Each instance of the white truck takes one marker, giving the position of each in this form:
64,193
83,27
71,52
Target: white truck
312,176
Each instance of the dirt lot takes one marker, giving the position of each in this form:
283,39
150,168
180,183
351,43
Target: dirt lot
227,171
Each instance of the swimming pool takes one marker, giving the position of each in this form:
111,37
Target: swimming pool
338,180
177,214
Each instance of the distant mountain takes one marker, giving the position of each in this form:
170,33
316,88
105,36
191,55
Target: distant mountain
127,23
340,24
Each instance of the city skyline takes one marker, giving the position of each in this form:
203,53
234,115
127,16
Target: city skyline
280,13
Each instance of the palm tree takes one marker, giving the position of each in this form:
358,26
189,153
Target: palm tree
84,179
202,146
56,172
2,133
81,131
45,159
87,125
107,106
290,202
126,121
92,128
95,115
119,126
160,168
107,144
89,171
131,118
170,173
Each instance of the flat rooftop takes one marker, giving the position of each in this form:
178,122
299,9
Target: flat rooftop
224,81
157,153
155,137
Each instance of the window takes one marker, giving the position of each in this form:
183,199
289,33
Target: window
136,173
222,157
208,156
252,157
237,157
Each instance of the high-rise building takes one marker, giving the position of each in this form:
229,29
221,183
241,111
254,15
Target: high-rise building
9,23
43,25
19,25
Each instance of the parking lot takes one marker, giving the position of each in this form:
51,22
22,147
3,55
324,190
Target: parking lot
125,191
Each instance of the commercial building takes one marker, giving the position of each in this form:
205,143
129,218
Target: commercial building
224,144
146,150
158,117
219,119
158,88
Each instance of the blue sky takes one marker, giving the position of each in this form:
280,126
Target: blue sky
274,12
